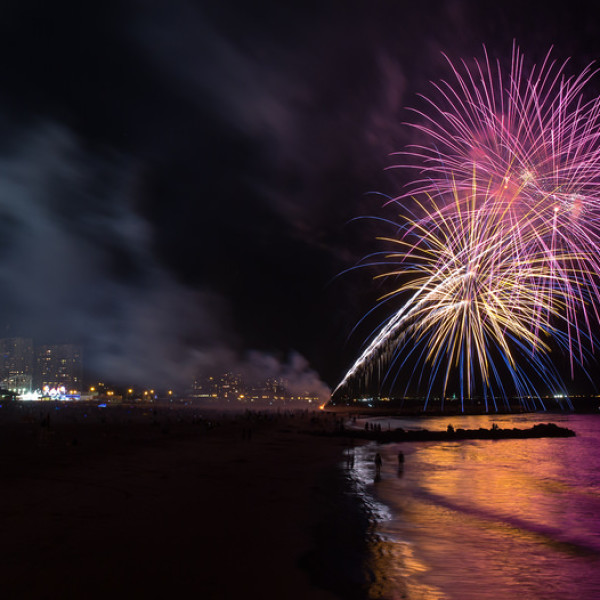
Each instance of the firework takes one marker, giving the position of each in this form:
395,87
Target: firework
532,135
475,303
499,261
535,143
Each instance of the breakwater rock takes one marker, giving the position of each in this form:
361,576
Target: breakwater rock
542,430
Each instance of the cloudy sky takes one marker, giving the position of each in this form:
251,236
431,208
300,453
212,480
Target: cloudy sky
180,180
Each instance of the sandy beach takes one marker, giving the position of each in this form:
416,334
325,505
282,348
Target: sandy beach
153,505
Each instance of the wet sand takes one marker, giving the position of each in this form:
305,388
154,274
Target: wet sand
125,504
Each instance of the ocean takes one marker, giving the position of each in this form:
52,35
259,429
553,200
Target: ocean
483,519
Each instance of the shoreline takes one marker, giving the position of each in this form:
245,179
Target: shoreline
338,560
156,505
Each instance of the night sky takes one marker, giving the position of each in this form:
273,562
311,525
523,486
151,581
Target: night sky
180,181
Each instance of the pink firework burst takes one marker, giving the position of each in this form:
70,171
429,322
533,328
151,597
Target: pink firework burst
530,141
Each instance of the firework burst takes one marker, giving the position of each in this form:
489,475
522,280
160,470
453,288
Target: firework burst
499,260
476,304
535,143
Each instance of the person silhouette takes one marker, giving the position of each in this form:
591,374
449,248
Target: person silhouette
378,463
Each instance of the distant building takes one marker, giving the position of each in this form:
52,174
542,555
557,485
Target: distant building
233,389
16,364
227,386
58,365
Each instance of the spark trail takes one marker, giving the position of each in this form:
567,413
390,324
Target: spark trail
500,261
472,297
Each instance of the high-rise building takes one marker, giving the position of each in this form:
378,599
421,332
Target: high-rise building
16,364
58,365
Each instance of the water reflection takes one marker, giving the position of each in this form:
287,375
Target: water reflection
486,519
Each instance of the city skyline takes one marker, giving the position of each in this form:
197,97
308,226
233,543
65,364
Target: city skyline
56,371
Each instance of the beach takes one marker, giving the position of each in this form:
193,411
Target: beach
155,502
158,503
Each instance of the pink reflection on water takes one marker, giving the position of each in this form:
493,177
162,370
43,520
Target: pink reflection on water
491,519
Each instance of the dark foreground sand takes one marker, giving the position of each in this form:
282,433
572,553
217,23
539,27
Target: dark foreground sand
130,505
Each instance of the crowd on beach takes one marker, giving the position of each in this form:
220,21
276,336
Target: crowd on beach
221,469
44,419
